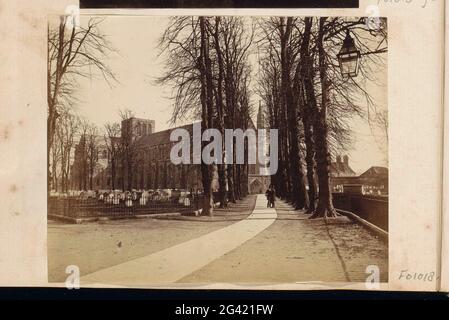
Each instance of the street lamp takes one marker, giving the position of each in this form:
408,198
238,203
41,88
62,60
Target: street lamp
349,57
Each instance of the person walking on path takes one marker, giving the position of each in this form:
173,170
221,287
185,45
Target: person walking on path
270,194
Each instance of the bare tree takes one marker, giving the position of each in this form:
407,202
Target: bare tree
112,142
299,196
55,160
128,149
73,52
236,41
187,42
207,67
300,54
83,167
66,130
282,40
220,106
304,77
92,144
325,206
339,96
207,110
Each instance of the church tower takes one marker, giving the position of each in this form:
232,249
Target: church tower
262,124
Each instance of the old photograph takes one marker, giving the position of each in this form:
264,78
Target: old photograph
189,150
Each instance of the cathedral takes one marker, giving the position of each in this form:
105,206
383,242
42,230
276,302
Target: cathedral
144,162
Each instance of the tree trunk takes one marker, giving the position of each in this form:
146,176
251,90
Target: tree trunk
220,113
231,192
298,194
54,175
207,115
237,176
113,173
306,71
310,162
91,175
325,207
68,173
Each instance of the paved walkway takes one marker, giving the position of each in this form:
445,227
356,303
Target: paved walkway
174,263
296,249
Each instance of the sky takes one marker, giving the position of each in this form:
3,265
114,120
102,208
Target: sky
137,64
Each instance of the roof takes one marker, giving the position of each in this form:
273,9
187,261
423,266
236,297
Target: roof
161,137
375,171
341,169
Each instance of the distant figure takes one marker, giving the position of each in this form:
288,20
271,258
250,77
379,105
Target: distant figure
267,194
128,199
270,194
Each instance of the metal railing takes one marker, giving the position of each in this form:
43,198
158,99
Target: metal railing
81,207
373,209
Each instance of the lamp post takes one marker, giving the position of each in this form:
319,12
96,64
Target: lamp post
349,57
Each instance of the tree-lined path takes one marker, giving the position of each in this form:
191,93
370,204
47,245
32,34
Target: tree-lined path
174,263
298,249
279,245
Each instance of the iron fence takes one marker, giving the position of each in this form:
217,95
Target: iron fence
373,209
79,207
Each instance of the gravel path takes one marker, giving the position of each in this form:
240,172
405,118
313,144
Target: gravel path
297,249
172,264
292,249
98,245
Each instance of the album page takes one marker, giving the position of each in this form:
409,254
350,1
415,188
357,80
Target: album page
445,199
226,148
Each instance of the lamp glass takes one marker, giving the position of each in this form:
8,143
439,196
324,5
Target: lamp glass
349,57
